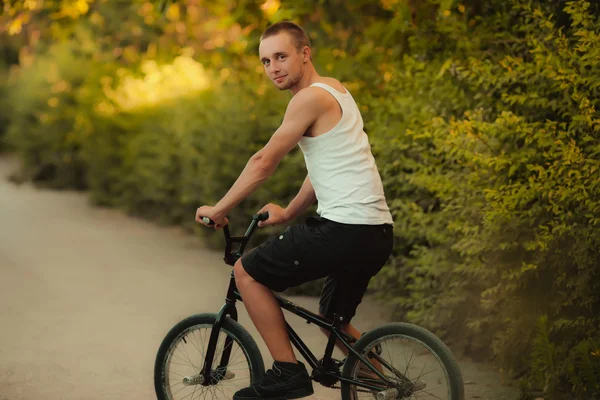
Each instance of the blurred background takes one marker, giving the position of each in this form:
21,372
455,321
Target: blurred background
483,117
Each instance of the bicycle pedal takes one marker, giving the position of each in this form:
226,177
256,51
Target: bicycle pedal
387,394
193,380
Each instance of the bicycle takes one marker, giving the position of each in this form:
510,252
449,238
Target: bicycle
231,359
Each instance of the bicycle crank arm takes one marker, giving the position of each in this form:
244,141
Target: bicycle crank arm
198,379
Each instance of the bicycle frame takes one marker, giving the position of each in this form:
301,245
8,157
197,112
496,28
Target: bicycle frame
335,333
229,309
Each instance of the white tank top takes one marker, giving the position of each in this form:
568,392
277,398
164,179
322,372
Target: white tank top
342,169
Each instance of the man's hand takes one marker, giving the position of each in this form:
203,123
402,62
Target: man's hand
212,213
277,215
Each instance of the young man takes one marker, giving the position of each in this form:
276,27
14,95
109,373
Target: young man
350,241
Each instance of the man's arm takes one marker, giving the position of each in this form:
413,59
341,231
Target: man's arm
305,197
303,110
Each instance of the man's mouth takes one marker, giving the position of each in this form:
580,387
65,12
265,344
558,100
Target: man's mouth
280,79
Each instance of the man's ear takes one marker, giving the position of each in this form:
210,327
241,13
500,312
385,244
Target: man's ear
306,54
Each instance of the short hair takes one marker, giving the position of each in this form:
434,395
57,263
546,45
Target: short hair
298,34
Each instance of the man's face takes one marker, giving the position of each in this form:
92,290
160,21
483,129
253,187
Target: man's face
283,63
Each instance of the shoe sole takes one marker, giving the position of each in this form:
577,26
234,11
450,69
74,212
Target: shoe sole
294,394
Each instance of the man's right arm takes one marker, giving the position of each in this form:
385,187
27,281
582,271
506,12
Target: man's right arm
305,197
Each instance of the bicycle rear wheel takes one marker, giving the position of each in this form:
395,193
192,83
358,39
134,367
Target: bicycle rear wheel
416,364
180,358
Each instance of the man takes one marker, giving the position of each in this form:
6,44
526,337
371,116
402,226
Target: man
350,241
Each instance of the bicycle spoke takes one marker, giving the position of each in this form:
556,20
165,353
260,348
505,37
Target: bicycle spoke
195,387
186,359
175,373
189,358
181,358
427,373
233,355
421,372
194,343
218,349
186,356
431,394
408,363
176,363
204,392
402,353
220,388
184,387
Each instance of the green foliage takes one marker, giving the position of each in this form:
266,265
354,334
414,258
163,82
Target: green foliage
554,366
492,164
545,356
583,368
189,152
4,108
48,122
483,117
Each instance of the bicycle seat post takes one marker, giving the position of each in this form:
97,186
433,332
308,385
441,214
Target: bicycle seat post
337,321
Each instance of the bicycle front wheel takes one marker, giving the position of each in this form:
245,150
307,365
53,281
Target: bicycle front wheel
416,365
178,367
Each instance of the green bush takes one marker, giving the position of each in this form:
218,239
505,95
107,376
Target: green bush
4,107
49,119
492,164
190,152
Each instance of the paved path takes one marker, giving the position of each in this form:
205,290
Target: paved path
87,294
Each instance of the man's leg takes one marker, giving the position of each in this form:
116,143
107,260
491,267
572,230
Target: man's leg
355,333
348,328
273,265
265,314
341,294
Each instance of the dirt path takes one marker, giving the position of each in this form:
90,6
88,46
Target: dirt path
87,295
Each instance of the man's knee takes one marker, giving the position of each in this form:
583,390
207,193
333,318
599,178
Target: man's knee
241,276
343,327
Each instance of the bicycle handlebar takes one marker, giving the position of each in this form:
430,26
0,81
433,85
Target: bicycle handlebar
230,258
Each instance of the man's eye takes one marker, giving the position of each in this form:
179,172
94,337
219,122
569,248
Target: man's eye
265,62
281,57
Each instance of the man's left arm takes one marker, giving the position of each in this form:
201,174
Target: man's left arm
302,112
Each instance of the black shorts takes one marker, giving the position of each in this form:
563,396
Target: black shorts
348,255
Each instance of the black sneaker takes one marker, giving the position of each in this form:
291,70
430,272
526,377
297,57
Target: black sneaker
284,381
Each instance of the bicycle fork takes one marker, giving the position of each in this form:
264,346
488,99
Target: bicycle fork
207,376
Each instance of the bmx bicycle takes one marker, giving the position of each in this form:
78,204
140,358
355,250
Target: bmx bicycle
212,356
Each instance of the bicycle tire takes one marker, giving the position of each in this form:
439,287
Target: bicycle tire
437,347
231,328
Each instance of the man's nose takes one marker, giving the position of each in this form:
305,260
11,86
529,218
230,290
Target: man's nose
274,67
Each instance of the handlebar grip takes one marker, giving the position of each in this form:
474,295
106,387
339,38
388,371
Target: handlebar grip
257,217
261,217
